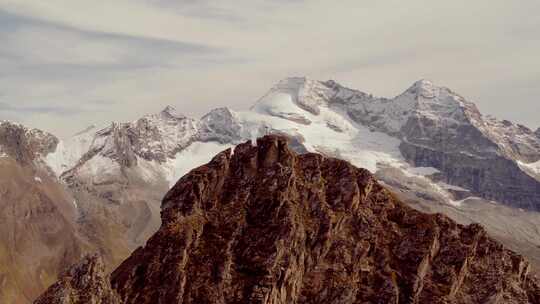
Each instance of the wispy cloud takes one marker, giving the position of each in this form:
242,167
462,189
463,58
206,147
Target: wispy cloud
66,45
58,57
57,110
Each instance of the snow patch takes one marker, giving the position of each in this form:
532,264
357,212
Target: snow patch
460,202
529,168
422,171
196,154
68,152
149,171
452,187
2,153
281,105
37,179
100,169
355,142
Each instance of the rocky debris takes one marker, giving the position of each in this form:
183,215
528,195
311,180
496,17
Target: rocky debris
84,283
266,225
23,144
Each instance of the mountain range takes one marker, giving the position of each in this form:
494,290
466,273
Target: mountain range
263,224
101,189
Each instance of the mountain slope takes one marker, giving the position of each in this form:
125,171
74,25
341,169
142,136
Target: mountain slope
263,224
38,231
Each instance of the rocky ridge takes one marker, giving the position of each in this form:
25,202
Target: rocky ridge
266,225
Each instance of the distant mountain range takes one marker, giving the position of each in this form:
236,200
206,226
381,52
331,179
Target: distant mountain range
100,190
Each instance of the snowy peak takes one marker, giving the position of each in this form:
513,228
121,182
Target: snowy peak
422,112
171,112
221,125
423,88
300,92
325,117
430,97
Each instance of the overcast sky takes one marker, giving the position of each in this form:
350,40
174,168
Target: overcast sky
66,64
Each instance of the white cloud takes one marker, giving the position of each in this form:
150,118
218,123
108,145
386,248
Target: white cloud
61,47
136,56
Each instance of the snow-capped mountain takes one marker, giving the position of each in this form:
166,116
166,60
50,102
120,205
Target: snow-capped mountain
428,145
426,127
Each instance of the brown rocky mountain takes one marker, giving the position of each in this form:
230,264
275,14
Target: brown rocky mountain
47,225
266,225
38,233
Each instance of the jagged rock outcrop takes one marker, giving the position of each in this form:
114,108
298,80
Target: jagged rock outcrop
23,144
86,282
266,225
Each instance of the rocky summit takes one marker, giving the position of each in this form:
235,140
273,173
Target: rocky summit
263,224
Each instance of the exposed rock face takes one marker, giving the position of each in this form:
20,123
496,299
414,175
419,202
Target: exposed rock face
497,178
265,225
86,283
23,144
439,128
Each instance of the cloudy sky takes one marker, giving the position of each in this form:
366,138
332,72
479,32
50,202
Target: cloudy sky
66,64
